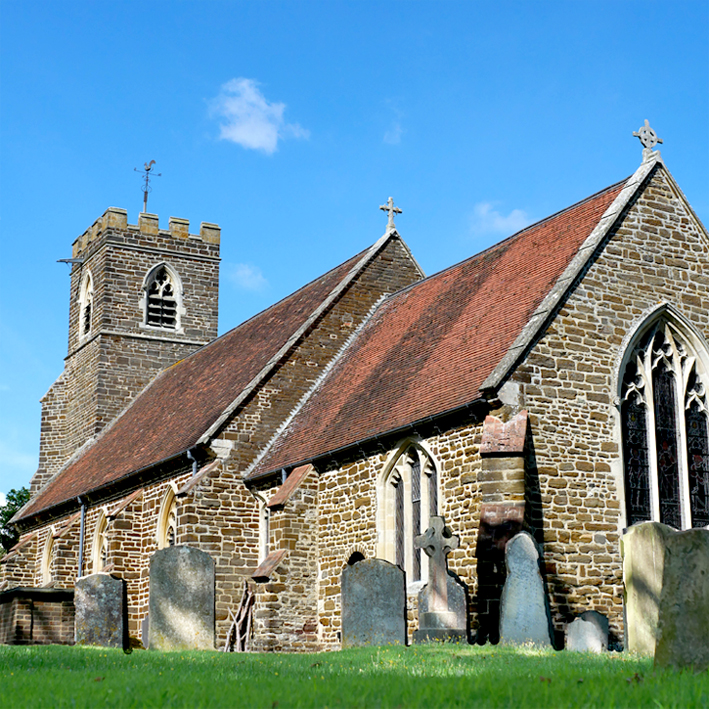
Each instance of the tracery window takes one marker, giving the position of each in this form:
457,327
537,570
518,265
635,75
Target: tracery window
665,430
86,305
161,308
407,499
167,521
100,546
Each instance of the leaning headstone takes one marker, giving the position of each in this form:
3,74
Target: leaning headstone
524,607
585,636
373,604
643,551
442,603
683,626
181,600
100,604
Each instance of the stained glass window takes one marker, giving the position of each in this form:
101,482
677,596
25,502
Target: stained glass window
400,538
416,512
665,429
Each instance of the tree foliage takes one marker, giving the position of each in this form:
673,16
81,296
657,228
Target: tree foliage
16,499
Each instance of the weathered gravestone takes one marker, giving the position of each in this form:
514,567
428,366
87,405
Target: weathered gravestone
442,603
101,609
524,607
181,600
588,633
683,625
643,551
373,604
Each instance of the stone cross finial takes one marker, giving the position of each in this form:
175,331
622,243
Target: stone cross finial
648,138
437,541
389,207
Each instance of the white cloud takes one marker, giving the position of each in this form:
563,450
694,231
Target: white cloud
249,120
247,277
393,135
3,499
487,220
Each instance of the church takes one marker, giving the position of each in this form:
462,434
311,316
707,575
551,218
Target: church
554,383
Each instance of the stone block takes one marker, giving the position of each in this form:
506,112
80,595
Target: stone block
683,627
101,604
181,600
373,604
524,606
643,551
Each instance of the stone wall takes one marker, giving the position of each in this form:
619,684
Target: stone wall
569,384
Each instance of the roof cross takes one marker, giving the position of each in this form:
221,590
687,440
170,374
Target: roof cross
389,207
648,138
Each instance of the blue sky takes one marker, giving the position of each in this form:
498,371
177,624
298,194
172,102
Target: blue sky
289,123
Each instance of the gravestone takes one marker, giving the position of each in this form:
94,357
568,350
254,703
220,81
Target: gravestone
524,607
181,600
643,551
442,602
683,623
588,633
100,603
373,604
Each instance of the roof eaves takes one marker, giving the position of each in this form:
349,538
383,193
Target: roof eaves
334,294
398,431
540,316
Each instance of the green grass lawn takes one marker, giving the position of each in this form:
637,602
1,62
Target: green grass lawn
418,676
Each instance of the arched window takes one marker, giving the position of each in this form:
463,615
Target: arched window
408,497
167,521
86,305
162,300
100,546
48,560
665,428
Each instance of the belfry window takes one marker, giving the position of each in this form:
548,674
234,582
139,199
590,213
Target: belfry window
86,305
665,429
161,310
408,497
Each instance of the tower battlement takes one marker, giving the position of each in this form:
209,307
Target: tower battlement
116,219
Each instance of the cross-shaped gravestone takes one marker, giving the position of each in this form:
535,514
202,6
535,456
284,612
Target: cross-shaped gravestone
437,541
389,207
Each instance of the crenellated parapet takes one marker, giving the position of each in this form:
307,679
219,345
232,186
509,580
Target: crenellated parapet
116,219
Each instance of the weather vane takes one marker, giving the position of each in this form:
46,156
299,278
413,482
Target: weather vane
389,207
146,182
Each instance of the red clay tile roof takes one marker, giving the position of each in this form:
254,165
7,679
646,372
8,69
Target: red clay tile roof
173,412
428,348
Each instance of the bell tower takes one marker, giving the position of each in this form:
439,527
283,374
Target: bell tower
141,299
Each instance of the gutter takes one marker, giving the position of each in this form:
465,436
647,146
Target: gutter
374,438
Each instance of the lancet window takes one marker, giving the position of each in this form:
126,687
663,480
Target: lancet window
48,560
167,521
665,428
408,498
161,308
100,546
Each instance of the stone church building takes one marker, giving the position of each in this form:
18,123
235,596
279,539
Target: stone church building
554,383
